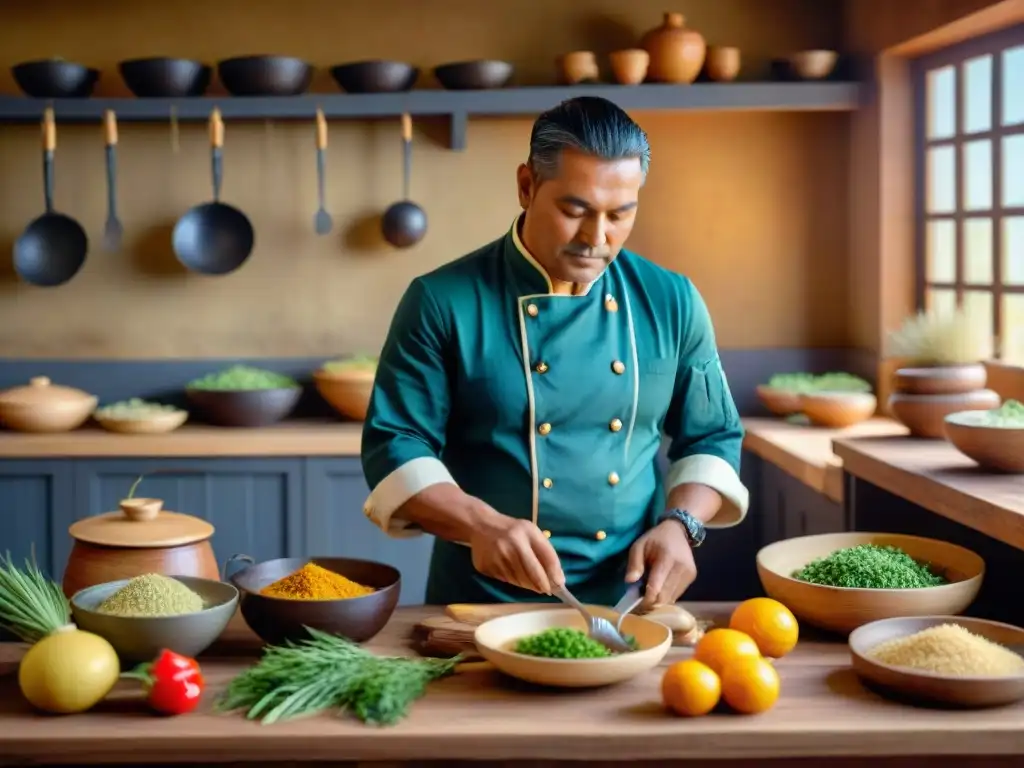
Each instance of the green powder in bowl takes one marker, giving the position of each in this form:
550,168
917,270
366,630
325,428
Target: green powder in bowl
152,595
1010,415
870,566
239,378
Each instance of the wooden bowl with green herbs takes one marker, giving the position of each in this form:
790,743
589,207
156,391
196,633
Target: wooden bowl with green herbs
346,384
783,392
143,615
841,581
242,396
994,438
139,417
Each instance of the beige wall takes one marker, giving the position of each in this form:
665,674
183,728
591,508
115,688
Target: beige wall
753,206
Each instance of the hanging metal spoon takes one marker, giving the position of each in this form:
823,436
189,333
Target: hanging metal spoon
322,222
113,230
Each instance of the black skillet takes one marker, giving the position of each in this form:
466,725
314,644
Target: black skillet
214,238
404,223
52,248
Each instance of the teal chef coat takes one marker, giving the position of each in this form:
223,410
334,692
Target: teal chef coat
550,408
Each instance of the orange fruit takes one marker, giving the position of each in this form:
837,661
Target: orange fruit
690,689
750,686
769,623
721,647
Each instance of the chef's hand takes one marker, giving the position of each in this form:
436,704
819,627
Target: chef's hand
517,552
664,553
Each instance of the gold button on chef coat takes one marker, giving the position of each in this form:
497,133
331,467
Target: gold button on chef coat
547,534
619,367
600,535
544,428
610,303
547,482
532,310
541,367
613,478
615,425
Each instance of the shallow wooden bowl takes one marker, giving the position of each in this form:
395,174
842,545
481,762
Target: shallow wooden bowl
813,65
999,448
781,402
940,379
277,619
928,686
348,392
843,609
141,638
496,638
924,415
151,425
838,409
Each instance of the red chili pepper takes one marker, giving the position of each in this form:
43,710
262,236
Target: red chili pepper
174,683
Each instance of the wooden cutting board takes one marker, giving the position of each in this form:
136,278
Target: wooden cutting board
452,632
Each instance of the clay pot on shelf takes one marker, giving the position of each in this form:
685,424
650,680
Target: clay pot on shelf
925,415
347,391
813,65
45,407
677,53
140,538
838,410
629,66
722,64
923,396
579,67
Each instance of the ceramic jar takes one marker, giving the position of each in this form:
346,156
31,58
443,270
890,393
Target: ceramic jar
579,67
677,53
45,407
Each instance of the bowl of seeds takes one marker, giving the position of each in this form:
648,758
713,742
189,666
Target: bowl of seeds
139,417
243,396
841,581
147,613
551,647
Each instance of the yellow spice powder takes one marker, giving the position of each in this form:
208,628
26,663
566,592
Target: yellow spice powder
949,649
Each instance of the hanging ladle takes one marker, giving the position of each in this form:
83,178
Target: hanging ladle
405,223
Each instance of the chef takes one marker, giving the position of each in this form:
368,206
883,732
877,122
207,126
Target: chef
523,391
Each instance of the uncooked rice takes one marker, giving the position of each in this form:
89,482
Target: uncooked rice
949,649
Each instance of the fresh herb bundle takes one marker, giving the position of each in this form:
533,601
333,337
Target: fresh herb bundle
304,678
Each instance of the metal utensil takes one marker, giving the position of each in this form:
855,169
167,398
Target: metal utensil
629,601
113,230
405,223
598,628
322,222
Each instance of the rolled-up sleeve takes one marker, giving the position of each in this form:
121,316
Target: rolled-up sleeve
404,430
702,422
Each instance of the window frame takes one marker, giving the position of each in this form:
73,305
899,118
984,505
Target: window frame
993,44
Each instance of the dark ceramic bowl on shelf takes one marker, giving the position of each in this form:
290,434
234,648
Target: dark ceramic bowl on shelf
245,407
161,77
375,76
474,75
265,75
55,79
277,619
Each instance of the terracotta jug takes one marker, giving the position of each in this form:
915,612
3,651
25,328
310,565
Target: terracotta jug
677,53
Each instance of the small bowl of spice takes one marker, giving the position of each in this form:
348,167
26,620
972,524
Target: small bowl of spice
551,647
139,417
841,581
342,596
950,660
994,439
243,396
147,613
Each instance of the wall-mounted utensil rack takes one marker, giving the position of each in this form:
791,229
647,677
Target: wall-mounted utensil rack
459,106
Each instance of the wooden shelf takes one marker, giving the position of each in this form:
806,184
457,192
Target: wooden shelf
459,106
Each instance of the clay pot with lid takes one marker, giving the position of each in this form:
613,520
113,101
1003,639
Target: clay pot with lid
140,538
42,406
677,53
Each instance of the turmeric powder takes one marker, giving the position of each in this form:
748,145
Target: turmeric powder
314,582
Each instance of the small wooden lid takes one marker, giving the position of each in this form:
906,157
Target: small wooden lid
115,529
41,391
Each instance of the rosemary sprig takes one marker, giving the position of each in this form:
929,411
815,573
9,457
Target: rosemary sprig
300,679
31,605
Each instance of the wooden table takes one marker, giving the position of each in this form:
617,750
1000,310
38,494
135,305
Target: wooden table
805,452
935,476
478,716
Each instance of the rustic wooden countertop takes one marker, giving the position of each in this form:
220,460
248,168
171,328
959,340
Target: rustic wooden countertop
824,711
805,452
314,437
936,476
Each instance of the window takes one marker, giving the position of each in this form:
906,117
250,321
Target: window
970,190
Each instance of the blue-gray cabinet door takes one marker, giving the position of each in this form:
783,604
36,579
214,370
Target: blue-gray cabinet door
254,504
36,499
335,493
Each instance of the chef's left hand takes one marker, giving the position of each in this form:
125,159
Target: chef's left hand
664,553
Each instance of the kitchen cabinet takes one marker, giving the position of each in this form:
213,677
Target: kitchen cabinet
36,499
